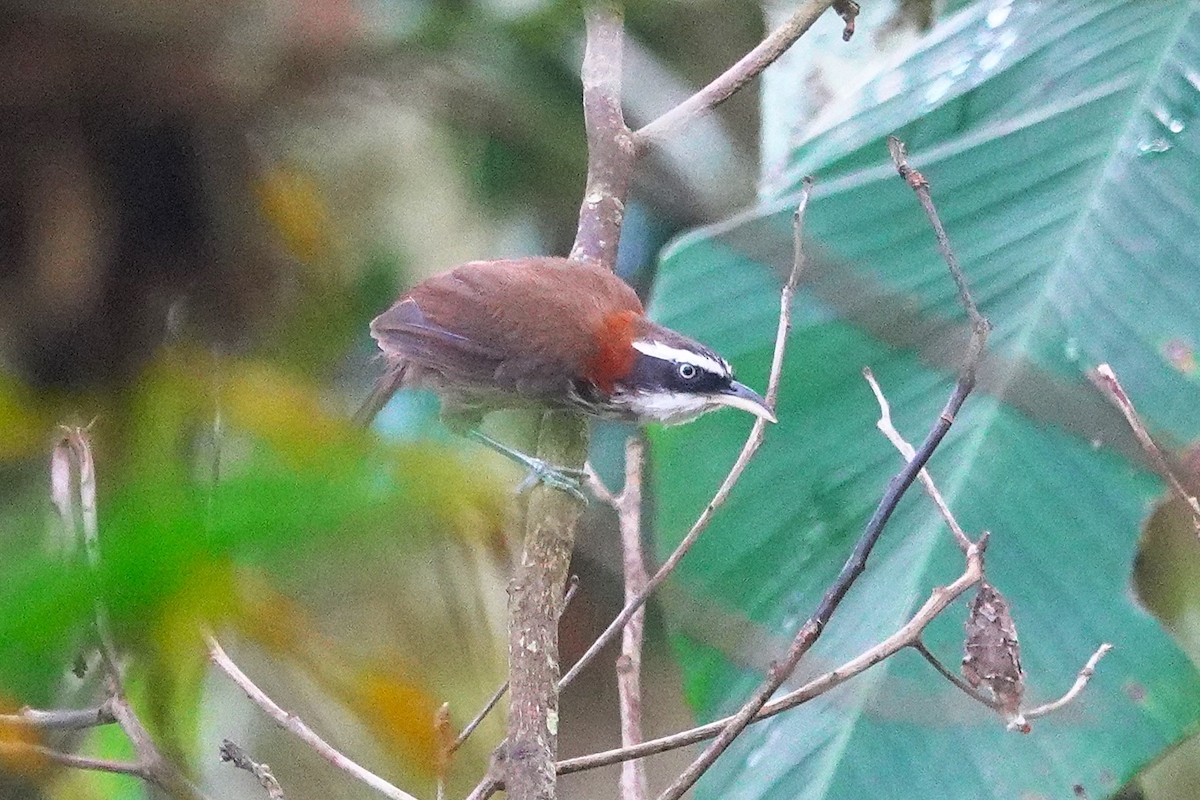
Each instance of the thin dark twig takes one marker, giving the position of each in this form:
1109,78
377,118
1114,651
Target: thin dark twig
747,68
469,728
812,629
888,429
967,689
262,773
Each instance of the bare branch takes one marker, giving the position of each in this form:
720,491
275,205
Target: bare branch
1081,681
967,689
262,773
297,727
611,153
940,598
629,664
749,67
889,430
22,750
66,719
1105,379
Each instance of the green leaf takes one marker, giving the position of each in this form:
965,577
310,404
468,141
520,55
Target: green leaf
296,486
1063,145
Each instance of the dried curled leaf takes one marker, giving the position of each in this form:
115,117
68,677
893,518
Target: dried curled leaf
992,653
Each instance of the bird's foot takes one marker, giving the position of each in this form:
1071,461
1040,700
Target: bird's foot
540,471
561,478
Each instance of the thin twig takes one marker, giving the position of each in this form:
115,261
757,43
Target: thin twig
889,430
572,588
1081,681
920,186
967,689
23,751
1105,379
65,719
596,484
628,504
262,772
74,452
939,599
297,727
729,82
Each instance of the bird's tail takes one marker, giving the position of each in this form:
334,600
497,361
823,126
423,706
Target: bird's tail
384,388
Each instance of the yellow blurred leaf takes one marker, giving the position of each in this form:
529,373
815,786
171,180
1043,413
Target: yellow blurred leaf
23,421
17,743
291,201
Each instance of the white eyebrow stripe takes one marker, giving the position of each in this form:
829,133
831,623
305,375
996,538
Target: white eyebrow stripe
665,352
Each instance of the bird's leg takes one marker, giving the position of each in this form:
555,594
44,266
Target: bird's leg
563,478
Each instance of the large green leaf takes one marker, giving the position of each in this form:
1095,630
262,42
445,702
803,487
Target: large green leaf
1063,145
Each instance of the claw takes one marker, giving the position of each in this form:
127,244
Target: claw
564,479
555,477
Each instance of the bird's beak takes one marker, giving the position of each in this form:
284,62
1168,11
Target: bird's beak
739,395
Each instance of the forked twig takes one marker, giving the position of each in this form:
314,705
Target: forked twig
1019,721
889,430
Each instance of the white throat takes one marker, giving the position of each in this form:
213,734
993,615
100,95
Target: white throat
669,408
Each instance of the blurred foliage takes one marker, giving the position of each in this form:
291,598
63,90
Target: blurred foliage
181,553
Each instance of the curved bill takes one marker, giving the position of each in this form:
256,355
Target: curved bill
739,395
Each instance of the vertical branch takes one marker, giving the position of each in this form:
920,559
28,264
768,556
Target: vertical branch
536,591
534,606
629,664
611,153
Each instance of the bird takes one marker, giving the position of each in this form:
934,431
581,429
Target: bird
545,333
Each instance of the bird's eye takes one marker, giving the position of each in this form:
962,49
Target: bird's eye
687,371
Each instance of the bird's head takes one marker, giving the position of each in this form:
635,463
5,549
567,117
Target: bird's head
652,373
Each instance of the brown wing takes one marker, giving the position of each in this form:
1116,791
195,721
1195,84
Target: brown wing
522,326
